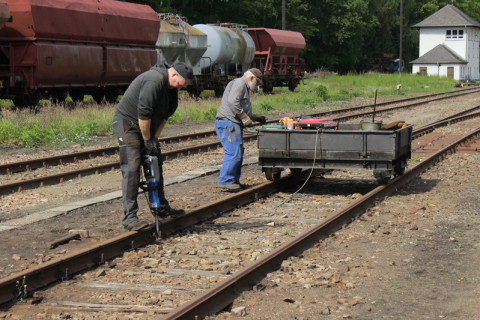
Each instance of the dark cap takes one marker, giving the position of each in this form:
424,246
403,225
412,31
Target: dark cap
257,73
185,71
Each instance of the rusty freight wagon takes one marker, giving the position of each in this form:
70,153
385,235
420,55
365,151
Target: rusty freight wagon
94,47
277,55
384,151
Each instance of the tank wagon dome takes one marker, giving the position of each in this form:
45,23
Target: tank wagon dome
109,21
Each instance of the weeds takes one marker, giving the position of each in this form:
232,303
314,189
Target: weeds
414,159
54,125
21,293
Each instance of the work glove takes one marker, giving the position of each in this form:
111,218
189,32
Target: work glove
246,121
152,146
258,118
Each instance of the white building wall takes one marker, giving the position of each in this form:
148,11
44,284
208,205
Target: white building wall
432,37
434,70
473,54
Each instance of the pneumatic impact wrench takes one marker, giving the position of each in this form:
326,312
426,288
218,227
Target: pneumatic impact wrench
151,171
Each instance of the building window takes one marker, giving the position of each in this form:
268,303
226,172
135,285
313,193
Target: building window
423,71
454,34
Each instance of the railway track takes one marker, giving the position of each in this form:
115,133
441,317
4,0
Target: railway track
22,166
252,233
8,188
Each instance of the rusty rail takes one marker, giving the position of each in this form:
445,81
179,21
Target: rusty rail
84,155
221,295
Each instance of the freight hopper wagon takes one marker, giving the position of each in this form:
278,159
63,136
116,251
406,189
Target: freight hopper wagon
277,56
96,47
217,53
384,151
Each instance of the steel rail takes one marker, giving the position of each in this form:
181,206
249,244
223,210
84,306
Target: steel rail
63,267
64,176
102,152
61,177
220,296
84,155
359,115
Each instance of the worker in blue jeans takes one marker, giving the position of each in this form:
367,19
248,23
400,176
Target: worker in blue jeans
235,113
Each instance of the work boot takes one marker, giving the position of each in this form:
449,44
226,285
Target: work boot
230,186
135,226
170,212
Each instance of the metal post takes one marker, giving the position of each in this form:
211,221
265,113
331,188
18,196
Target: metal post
283,14
401,36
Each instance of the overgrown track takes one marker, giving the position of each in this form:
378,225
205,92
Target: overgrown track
101,152
263,258
61,177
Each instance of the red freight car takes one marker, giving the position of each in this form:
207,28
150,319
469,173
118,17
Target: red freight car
276,54
81,47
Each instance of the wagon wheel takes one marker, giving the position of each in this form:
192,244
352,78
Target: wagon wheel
219,92
98,96
111,95
272,175
77,96
296,170
26,101
267,88
292,84
59,96
20,101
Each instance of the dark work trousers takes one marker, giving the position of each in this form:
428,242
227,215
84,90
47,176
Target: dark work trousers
130,143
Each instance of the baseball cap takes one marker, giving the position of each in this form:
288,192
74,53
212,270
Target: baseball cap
185,71
257,73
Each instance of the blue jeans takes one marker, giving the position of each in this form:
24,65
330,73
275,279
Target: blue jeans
231,137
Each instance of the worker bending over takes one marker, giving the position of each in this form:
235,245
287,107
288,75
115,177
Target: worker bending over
138,122
235,113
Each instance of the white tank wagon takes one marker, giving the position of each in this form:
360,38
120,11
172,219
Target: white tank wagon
230,50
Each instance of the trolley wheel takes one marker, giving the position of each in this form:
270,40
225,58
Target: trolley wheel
382,176
272,175
399,170
296,170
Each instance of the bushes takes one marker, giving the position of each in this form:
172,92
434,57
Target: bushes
322,92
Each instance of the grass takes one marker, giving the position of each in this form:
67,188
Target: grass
60,125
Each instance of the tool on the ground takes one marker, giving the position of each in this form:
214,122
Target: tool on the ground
151,173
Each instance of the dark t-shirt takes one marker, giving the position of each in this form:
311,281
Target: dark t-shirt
148,97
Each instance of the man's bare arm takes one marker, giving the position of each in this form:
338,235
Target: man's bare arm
145,128
160,128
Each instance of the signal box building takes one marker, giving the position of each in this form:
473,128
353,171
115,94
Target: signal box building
449,45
